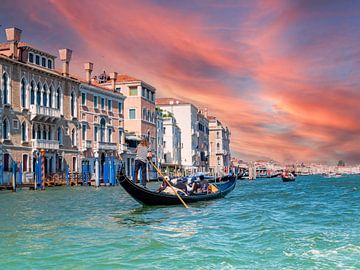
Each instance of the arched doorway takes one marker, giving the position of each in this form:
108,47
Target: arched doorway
102,162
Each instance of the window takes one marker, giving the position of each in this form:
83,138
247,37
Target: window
133,91
143,91
120,135
37,59
15,124
6,129
109,105
132,113
45,96
102,129
120,107
218,161
118,89
23,93
147,93
58,99
144,114
59,135
109,135
83,99
148,116
73,104
23,132
83,132
95,101
218,135
73,143
43,61
5,87
38,94
153,117
95,133
31,57
32,93
103,103
49,63
50,97
218,146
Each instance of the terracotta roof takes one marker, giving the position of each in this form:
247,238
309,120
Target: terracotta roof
125,78
4,46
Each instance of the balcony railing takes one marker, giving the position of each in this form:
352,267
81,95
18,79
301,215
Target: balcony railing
46,144
86,144
106,146
37,110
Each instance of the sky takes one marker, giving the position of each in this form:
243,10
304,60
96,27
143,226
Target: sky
284,76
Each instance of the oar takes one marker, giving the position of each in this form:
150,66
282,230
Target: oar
169,184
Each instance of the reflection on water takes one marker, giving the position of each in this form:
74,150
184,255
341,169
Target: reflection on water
264,224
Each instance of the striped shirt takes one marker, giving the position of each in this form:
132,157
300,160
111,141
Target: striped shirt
141,153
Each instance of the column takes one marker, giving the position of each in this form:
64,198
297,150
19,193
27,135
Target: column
97,169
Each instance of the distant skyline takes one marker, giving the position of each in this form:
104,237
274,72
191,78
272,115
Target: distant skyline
284,76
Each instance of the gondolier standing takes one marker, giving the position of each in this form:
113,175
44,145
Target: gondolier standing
142,153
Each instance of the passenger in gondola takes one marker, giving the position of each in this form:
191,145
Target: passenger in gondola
204,184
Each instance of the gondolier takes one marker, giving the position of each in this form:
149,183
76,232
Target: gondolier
143,152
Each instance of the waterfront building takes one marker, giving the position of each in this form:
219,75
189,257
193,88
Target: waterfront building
220,155
159,137
101,123
39,107
188,118
172,143
139,115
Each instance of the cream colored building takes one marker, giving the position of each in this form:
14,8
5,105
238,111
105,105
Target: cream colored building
172,141
219,137
38,106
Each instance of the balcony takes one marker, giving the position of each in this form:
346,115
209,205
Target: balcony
43,114
86,145
45,144
123,148
106,146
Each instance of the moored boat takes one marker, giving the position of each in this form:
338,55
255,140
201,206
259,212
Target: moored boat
288,177
149,197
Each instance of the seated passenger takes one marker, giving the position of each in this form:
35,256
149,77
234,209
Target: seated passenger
204,183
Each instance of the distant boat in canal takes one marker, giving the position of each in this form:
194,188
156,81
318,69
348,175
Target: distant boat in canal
149,197
288,177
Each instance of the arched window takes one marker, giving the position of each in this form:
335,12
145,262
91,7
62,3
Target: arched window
23,132
50,97
148,116
73,104
6,129
45,95
23,93
153,117
5,87
73,137
32,93
33,132
58,99
218,146
102,129
38,94
49,63
59,135
50,134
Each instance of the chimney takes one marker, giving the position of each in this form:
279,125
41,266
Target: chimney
88,68
113,76
206,112
65,57
13,36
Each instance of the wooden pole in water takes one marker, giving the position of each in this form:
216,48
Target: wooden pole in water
169,184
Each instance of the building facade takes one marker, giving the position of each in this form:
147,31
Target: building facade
38,107
172,142
187,118
101,124
159,137
219,137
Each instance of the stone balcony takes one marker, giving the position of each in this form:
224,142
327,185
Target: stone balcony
106,146
86,145
43,114
45,144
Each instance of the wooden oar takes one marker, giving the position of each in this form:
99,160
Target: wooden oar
156,168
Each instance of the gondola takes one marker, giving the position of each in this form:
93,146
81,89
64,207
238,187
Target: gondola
288,177
149,197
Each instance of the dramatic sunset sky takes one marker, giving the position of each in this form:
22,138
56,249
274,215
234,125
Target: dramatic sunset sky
283,75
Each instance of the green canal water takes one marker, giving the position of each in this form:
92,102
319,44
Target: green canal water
313,223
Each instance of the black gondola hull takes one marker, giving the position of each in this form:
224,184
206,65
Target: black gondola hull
149,197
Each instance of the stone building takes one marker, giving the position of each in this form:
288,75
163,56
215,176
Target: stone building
38,107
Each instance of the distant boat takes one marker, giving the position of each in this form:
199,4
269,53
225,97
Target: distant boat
333,175
288,177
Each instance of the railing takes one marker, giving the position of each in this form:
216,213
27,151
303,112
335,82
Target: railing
86,144
42,110
106,146
46,144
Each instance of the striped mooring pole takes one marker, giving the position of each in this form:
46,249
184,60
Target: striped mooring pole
42,156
